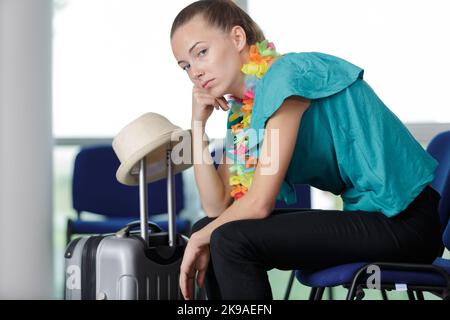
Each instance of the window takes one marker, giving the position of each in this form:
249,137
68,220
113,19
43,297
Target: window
113,62
402,45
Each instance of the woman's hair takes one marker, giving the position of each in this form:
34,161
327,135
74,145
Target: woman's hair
223,14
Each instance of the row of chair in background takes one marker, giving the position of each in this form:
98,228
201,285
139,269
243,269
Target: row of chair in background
95,190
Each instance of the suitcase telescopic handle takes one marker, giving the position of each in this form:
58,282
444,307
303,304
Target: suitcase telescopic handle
125,231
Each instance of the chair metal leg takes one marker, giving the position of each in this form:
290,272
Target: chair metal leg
384,294
419,295
355,292
68,231
68,238
319,293
312,293
330,293
351,293
411,295
289,286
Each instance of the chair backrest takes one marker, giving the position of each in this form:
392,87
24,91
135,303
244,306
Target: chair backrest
439,148
446,236
303,193
95,188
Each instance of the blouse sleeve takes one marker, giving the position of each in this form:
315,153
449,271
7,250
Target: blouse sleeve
311,75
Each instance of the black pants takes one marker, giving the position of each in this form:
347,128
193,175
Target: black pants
243,251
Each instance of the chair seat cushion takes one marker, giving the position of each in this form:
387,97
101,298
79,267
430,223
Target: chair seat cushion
343,274
114,224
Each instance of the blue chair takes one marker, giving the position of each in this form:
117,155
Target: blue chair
415,278
96,190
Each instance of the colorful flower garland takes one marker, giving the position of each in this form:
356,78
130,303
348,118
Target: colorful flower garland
261,55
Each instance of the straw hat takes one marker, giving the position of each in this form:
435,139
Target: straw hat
150,136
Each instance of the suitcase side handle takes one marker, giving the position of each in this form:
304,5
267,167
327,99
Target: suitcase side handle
125,231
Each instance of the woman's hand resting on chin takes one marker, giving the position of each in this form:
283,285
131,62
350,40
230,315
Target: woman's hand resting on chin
203,104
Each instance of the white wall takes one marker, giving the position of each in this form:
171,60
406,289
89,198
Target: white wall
402,45
25,149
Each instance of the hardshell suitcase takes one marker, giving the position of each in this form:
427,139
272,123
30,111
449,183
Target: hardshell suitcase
124,267
128,265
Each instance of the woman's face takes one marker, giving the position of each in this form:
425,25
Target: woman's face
211,57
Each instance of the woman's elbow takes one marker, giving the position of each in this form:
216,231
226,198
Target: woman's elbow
214,212
212,215
267,210
262,208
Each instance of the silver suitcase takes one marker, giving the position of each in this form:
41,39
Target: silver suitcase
128,265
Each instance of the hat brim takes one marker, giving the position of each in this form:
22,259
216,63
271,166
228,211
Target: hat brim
156,163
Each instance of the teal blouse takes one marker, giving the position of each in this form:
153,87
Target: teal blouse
349,143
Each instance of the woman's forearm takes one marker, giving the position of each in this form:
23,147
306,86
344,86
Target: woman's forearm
209,183
248,207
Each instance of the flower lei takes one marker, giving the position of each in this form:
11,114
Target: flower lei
261,55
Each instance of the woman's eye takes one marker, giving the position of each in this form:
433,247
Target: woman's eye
186,67
203,52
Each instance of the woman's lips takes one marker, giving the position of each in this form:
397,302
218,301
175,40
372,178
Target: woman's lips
207,85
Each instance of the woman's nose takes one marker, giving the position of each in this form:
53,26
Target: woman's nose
198,74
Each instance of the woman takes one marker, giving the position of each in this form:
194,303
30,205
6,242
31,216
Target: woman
324,126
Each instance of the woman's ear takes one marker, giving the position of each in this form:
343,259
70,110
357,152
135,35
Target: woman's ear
238,37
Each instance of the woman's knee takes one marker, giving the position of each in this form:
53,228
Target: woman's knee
200,224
